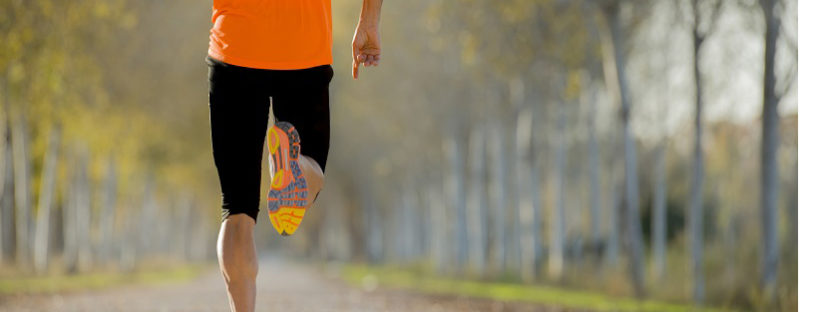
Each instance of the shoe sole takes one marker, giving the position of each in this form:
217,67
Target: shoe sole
286,204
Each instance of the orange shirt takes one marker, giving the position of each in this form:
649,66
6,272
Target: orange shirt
271,34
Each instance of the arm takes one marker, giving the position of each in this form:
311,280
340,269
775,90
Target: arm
366,41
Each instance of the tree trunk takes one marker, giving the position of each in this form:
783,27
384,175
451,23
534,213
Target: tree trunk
109,206
526,205
455,190
42,234
514,252
410,224
186,208
477,204
768,150
659,213
558,237
618,84
696,190
22,190
594,170
375,246
6,193
589,97
613,242
69,209
423,235
537,215
440,241
128,237
82,210
498,194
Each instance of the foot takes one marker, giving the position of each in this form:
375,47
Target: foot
288,195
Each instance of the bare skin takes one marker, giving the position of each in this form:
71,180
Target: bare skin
314,177
237,259
236,249
366,40
235,246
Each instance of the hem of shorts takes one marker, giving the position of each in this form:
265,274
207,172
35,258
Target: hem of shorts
226,213
288,65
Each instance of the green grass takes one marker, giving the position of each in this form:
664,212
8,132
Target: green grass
540,294
91,281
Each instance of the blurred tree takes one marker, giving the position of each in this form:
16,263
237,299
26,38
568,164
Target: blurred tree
768,150
616,77
45,202
7,239
702,25
589,98
108,207
22,192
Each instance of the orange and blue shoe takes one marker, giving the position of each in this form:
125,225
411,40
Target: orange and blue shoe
287,198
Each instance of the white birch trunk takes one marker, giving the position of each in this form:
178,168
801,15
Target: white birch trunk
82,210
127,237
616,76
453,150
22,191
6,193
514,252
589,97
69,209
184,229
696,189
419,231
477,205
375,237
659,214
537,215
498,193
109,206
525,221
441,233
613,242
557,244
42,234
594,166
768,150
402,209
411,224
149,242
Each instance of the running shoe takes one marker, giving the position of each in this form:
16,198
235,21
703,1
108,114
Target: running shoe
287,198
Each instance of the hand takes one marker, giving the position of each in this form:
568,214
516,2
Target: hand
366,48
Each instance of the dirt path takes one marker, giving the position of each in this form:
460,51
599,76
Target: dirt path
282,286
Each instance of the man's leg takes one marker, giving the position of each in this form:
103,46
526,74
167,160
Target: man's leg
237,260
239,116
302,99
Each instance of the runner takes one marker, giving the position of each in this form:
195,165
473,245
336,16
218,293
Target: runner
263,53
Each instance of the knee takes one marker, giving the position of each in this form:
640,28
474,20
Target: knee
314,174
320,182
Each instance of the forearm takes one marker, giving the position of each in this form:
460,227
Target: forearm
371,10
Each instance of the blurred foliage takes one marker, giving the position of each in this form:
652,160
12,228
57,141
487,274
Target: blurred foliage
563,298
127,82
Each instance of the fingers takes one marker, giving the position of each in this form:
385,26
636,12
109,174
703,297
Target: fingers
364,57
355,60
355,70
368,59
